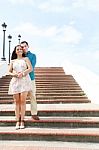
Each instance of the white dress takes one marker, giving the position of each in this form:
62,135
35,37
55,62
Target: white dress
19,85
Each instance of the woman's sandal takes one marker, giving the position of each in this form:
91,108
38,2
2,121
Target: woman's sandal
17,125
22,124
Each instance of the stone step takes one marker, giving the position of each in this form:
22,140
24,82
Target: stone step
63,110
56,79
50,134
62,87
48,84
53,75
61,93
48,101
58,88
61,97
55,101
53,97
56,85
56,82
60,69
49,68
45,76
50,89
51,93
50,121
45,82
50,72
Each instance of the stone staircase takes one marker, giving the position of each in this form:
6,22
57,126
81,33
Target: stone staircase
66,113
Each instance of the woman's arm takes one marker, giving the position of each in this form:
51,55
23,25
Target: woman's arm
10,70
29,67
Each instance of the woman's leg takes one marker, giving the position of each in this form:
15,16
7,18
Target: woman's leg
17,105
17,109
23,96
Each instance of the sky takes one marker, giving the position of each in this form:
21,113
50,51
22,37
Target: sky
58,31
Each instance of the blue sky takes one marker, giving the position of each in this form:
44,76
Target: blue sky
56,30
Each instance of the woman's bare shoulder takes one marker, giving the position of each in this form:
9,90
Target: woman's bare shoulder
26,58
12,61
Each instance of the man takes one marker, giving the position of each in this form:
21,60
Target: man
32,94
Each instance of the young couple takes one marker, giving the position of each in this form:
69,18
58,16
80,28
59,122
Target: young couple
23,82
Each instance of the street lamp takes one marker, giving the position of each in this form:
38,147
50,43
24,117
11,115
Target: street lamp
4,29
9,37
19,37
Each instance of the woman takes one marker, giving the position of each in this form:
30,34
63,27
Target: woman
20,84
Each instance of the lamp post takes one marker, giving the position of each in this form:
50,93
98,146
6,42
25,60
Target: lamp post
4,29
19,37
9,37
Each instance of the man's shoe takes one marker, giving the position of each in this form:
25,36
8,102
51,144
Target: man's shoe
35,117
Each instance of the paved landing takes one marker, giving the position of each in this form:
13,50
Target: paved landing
43,145
56,107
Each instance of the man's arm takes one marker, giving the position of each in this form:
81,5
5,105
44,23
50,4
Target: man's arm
33,60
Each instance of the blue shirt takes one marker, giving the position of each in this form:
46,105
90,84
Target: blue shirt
32,58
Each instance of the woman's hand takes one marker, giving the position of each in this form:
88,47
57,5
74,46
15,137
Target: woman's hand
20,75
14,75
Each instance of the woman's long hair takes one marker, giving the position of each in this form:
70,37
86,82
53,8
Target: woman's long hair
14,55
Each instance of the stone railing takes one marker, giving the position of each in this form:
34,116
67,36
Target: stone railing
3,68
88,80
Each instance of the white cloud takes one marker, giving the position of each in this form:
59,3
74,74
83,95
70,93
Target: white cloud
69,35
51,31
28,28
66,34
21,1
65,5
78,3
59,5
52,6
96,55
92,5
72,22
48,7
